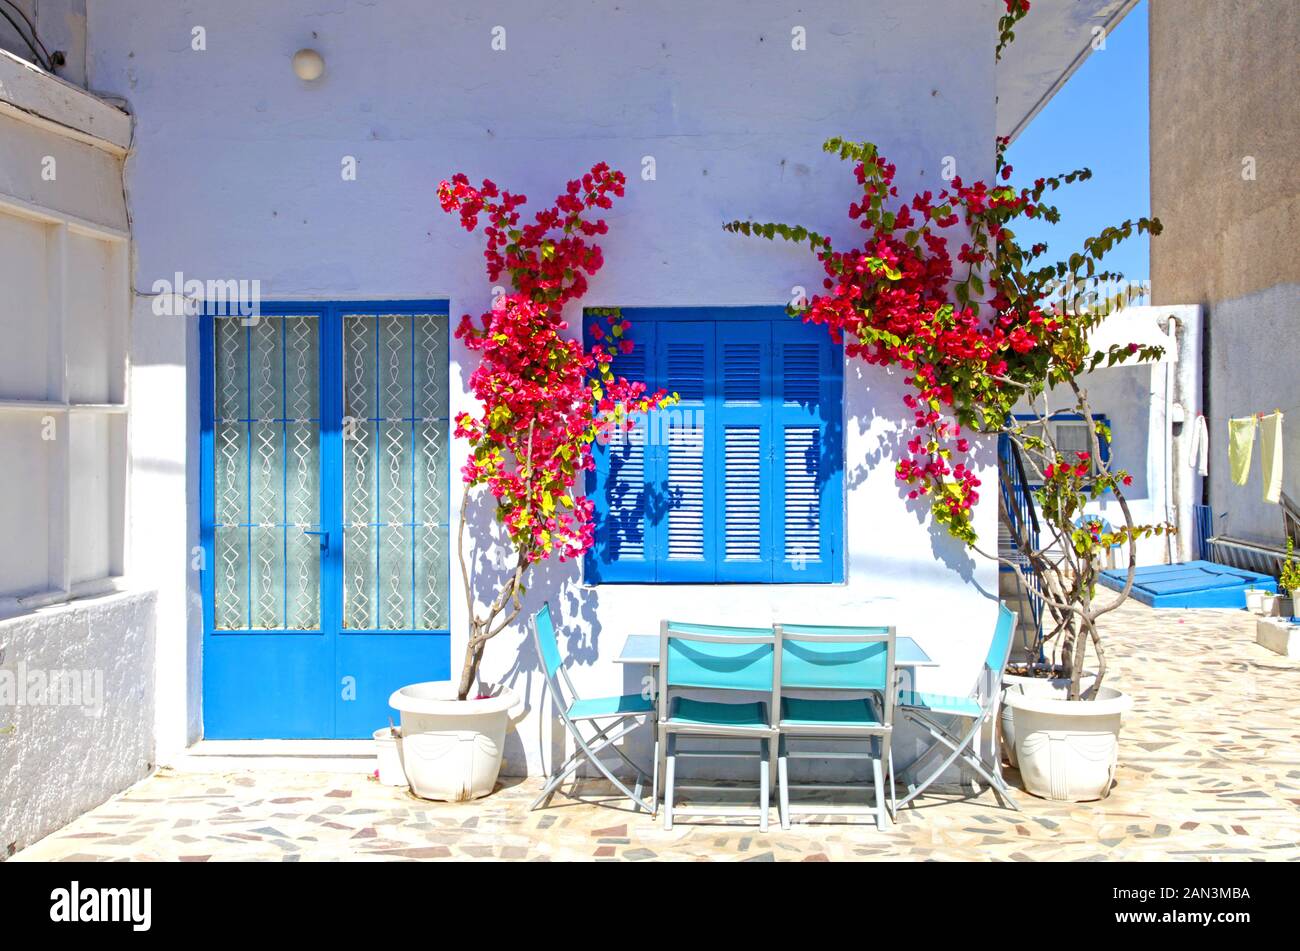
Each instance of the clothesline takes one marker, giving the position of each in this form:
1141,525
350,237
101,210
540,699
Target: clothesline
1242,431
1218,418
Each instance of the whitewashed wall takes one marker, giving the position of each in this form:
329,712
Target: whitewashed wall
64,465
1144,404
236,174
58,759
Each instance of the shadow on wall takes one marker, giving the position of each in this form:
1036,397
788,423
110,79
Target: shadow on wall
871,392
489,559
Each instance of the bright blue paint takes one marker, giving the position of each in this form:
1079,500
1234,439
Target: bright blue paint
290,684
723,341
1192,584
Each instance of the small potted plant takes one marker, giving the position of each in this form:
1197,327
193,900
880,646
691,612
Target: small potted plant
1289,583
543,399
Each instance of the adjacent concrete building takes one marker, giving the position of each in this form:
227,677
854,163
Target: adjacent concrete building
1225,136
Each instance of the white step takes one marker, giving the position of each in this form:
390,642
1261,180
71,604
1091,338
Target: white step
306,756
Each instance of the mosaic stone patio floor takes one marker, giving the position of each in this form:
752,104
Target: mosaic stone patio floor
1209,770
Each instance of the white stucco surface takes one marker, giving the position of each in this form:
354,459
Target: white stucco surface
64,315
236,175
1142,403
58,760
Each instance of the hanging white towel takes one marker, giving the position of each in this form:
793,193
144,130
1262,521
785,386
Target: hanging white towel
1199,452
1270,456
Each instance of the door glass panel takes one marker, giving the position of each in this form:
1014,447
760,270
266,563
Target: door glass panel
395,437
266,453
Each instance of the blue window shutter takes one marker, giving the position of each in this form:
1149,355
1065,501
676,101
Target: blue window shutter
744,451
621,485
808,465
742,480
686,446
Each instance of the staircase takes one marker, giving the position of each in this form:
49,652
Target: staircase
1016,500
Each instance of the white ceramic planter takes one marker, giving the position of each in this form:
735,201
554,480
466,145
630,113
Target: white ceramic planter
451,748
388,752
1058,687
1067,749
1255,600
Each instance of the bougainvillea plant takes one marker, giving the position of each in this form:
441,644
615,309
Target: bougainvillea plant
1017,10
978,333
544,398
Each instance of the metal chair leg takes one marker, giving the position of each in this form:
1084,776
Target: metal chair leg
783,784
669,776
893,789
877,773
654,783
764,790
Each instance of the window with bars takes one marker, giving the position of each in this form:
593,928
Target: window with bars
742,479
1070,434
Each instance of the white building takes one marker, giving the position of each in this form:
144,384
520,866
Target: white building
157,522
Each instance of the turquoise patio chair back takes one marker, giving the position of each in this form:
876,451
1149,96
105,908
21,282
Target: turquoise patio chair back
995,663
717,657
825,657
544,627
821,657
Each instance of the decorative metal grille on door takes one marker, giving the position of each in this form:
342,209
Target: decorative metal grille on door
395,442
266,454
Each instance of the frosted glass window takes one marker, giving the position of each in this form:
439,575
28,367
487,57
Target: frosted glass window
266,454
395,441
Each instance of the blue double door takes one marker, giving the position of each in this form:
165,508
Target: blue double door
325,526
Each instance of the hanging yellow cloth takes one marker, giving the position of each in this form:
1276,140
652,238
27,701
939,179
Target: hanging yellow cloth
1241,440
1270,456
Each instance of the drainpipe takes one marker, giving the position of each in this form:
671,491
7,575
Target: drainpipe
1171,365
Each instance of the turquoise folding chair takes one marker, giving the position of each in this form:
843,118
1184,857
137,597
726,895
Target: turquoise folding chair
966,714
711,657
857,659
624,713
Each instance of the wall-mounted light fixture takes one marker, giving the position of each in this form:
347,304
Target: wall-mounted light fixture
308,65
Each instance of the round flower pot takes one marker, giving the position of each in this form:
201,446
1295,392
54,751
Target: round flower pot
1043,686
1067,749
1255,600
451,748
1270,604
388,751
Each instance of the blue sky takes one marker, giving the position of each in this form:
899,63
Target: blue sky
1098,121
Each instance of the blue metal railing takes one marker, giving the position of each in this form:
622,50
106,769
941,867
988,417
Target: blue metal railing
1203,517
1018,501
